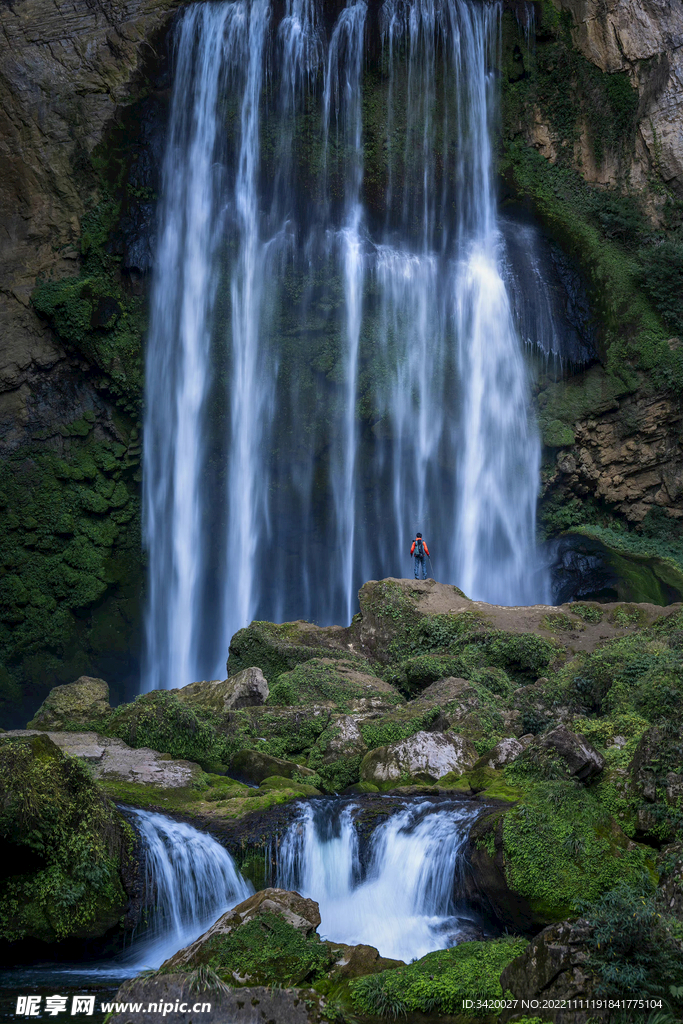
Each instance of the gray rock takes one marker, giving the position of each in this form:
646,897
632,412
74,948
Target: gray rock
249,1005
424,754
113,760
582,759
246,689
554,967
504,752
81,703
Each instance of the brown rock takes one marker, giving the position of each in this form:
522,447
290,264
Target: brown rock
246,689
300,913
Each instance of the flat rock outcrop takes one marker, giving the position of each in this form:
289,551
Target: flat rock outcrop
112,760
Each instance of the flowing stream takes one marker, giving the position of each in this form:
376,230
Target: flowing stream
334,358
403,895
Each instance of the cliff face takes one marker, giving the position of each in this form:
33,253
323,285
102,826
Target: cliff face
71,77
64,71
644,39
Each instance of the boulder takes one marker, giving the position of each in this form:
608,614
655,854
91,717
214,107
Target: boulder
112,760
84,702
253,766
554,968
301,914
335,683
505,752
582,759
246,689
425,755
238,1006
280,647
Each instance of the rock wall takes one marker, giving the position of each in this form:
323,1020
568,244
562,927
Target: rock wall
76,119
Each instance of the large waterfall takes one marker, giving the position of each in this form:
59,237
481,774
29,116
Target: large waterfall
404,898
333,360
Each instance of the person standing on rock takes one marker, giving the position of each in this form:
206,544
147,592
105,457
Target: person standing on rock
419,550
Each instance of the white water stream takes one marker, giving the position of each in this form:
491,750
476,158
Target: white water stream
405,899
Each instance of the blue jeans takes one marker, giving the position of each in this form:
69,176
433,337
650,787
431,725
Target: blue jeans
420,561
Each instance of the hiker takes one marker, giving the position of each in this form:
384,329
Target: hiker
419,550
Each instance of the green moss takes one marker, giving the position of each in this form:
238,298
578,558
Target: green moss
69,543
64,845
440,981
561,846
266,951
319,681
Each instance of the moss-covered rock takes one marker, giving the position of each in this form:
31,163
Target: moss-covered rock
279,648
333,683
216,697
439,982
557,846
84,702
64,846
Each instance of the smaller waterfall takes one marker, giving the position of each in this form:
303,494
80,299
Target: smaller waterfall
194,881
402,897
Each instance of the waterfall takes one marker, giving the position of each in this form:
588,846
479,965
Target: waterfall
334,359
194,881
404,900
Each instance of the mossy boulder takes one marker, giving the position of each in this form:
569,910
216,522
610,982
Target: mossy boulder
279,648
439,982
65,847
334,683
84,702
536,860
426,756
246,689
254,766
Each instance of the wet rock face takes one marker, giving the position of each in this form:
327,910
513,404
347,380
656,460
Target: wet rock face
582,759
423,754
554,967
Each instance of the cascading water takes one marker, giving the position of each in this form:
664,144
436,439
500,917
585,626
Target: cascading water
194,881
404,900
334,361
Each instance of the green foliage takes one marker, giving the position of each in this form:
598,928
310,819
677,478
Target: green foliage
378,732
63,845
587,612
318,681
69,542
635,949
561,846
438,983
267,951
161,721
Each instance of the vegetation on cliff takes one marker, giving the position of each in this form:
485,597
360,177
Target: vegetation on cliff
64,846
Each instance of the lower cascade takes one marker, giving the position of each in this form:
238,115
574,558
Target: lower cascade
193,879
401,895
